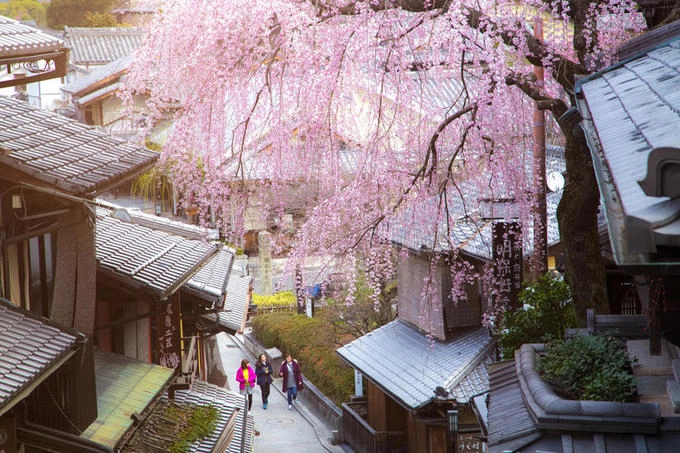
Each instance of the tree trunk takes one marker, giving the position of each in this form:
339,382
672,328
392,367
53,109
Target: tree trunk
577,218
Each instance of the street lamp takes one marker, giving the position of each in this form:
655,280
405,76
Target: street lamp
452,422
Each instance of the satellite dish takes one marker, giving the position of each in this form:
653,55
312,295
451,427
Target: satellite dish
555,181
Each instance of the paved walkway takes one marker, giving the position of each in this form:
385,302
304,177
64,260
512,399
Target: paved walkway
652,372
280,429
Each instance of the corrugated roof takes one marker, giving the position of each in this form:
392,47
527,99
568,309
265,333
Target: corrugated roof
457,365
79,159
17,39
124,386
29,346
146,259
629,111
98,46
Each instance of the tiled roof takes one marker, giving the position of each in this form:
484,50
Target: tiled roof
204,394
97,95
238,298
457,365
17,39
79,159
29,347
124,386
160,223
525,415
98,46
232,317
149,260
111,70
509,421
631,113
210,282
471,235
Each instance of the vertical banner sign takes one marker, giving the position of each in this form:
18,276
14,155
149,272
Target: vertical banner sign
167,327
264,242
507,257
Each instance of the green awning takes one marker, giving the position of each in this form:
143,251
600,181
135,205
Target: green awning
124,386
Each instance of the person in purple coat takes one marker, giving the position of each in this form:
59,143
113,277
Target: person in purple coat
292,379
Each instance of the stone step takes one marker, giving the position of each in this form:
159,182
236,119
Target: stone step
675,364
673,391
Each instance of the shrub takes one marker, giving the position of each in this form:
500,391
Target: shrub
202,421
280,299
546,312
591,367
312,342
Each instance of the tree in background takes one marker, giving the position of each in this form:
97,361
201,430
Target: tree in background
100,20
25,10
367,311
545,315
376,108
75,13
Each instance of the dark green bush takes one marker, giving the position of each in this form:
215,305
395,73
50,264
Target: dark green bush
545,314
590,367
312,342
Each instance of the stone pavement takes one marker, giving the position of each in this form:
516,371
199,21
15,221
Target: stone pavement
280,430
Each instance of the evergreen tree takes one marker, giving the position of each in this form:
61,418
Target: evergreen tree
74,13
24,10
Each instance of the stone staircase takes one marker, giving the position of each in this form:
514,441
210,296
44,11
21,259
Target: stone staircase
673,386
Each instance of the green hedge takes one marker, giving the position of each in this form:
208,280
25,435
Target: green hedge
280,299
311,341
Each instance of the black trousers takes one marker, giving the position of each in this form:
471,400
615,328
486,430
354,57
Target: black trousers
265,388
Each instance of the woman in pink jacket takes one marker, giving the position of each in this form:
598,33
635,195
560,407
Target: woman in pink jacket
245,376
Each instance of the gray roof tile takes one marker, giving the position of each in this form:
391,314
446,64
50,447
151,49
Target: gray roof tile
28,346
17,39
210,281
204,394
98,46
76,158
469,232
114,70
458,365
629,110
238,298
150,260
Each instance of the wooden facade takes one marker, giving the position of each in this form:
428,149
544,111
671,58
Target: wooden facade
47,268
437,314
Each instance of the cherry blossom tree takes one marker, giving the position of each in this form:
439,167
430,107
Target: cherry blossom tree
359,113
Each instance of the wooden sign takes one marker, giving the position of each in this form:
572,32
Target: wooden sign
168,335
507,257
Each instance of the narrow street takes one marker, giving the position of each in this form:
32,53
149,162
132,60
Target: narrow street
280,429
